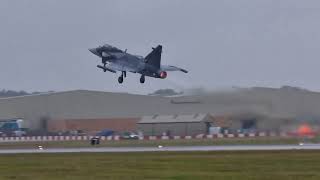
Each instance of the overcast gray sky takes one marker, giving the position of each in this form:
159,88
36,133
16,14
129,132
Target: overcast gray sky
44,43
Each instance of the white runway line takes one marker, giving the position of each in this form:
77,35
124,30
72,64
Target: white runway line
172,148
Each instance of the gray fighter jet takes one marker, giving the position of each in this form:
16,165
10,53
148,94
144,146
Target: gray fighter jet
114,59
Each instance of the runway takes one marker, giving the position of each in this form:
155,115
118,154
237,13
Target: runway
163,149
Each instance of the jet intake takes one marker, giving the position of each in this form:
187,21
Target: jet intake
104,54
162,74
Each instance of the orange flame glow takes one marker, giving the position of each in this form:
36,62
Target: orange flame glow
305,129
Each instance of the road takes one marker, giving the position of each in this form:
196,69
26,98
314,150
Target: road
160,148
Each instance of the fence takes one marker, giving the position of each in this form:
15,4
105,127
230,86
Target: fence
117,138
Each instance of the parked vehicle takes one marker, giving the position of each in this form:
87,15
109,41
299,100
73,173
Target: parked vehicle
105,132
129,135
12,128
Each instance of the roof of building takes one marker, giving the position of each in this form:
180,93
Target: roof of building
173,118
77,104
84,104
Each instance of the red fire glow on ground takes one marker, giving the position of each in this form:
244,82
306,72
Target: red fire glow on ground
305,130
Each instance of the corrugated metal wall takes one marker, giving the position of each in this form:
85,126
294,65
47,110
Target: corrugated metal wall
89,125
181,129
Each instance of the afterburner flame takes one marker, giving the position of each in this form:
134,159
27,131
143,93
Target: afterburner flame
163,74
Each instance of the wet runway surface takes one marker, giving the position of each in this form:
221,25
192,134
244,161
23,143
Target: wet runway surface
160,148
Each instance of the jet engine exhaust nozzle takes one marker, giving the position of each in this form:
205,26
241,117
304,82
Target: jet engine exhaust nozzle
163,74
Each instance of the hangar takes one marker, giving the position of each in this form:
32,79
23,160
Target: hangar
93,125
75,109
172,125
265,108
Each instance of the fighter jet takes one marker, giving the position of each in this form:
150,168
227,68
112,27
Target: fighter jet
114,59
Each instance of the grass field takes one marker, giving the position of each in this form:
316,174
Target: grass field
150,143
249,165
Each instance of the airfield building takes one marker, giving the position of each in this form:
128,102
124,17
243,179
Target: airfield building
172,125
256,108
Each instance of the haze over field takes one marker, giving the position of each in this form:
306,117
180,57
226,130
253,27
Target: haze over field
44,44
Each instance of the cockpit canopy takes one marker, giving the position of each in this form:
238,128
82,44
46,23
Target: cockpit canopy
140,57
110,48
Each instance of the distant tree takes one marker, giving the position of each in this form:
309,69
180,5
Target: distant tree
11,93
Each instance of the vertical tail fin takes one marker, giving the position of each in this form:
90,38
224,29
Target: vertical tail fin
154,58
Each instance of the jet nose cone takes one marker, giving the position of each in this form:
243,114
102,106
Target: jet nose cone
94,51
